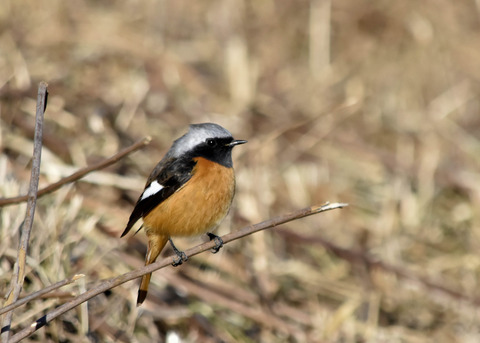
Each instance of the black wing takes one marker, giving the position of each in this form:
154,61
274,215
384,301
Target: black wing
171,174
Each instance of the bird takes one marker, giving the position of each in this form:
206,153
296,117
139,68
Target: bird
188,193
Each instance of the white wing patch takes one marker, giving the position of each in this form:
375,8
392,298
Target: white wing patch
152,189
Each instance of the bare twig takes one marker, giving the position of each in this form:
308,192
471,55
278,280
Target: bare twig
19,269
370,262
257,313
40,293
80,173
114,282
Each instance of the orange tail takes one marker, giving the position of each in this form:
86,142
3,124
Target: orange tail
155,246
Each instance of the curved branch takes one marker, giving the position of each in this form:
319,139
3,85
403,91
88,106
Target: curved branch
80,173
116,281
39,293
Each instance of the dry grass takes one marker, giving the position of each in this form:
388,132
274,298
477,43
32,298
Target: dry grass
384,116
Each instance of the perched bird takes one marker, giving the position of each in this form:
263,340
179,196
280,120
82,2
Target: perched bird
188,193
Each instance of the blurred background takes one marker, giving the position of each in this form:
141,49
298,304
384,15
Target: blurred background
374,103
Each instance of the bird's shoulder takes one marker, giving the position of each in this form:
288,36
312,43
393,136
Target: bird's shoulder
168,176
171,171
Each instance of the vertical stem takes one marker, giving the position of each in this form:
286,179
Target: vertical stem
19,269
320,12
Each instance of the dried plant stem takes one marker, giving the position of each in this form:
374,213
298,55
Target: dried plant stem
114,282
320,27
80,173
359,257
39,293
19,269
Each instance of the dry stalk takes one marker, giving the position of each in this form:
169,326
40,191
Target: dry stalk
18,276
360,257
26,227
40,293
116,281
80,173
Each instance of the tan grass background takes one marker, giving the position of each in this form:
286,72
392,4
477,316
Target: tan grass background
369,102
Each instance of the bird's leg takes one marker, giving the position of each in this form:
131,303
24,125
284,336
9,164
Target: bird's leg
181,256
218,242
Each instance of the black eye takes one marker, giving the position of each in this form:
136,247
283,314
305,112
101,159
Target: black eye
211,142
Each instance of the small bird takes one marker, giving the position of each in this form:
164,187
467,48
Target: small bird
188,193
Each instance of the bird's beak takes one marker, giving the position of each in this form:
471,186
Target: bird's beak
236,142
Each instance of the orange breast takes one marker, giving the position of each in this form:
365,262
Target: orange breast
198,206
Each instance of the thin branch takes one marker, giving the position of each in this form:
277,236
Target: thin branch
360,257
40,293
266,318
19,269
80,173
116,281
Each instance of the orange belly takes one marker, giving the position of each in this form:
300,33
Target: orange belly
198,206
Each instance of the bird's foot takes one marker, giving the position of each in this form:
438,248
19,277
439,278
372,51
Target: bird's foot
181,256
179,259
218,242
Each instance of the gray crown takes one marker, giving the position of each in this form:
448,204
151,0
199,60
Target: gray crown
197,134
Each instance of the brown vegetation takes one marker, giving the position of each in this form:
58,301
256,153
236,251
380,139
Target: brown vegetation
372,103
